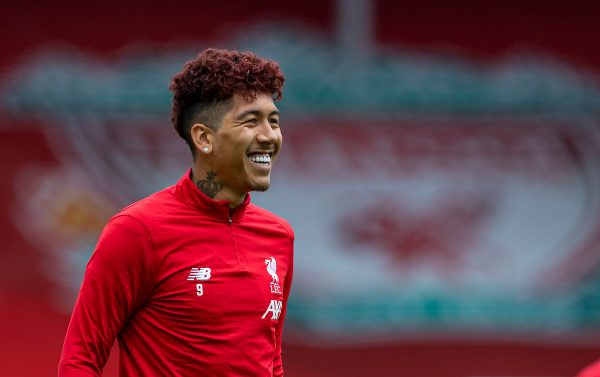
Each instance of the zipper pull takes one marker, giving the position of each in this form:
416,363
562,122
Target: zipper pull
230,220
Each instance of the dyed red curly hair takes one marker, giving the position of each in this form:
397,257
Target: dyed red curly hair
203,89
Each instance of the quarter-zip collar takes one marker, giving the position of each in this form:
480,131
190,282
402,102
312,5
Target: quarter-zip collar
218,209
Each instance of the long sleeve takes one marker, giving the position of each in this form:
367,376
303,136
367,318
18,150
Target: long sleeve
592,370
278,362
117,280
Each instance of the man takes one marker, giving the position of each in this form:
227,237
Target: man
194,280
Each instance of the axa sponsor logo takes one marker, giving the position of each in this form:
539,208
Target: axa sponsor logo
274,308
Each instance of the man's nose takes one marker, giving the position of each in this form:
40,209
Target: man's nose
267,134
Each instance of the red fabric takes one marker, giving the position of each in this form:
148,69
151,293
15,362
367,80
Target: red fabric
591,371
140,287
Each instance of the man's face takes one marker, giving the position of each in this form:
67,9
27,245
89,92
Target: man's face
246,145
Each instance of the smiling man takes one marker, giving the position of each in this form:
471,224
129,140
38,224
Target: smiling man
194,280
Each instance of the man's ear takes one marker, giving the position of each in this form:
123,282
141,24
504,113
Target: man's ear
202,137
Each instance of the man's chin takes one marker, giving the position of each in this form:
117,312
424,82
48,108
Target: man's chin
261,186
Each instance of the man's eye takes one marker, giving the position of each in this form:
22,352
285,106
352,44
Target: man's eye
274,122
250,121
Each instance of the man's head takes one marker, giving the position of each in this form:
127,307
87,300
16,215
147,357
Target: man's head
224,109
204,89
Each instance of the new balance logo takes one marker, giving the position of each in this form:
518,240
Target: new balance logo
274,308
199,273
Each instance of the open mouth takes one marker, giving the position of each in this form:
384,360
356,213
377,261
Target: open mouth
261,159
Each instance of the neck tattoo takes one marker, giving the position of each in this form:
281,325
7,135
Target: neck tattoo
210,186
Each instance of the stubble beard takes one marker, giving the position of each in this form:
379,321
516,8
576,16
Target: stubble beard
261,186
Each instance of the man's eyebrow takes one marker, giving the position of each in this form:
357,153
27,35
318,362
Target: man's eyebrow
255,113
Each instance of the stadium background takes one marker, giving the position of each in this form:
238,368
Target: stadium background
440,168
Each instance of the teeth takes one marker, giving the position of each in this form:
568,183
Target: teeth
263,158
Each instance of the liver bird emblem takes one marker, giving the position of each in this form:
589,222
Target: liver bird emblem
272,269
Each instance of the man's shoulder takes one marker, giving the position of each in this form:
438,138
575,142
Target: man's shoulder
266,215
151,207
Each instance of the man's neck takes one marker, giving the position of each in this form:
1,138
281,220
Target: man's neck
207,182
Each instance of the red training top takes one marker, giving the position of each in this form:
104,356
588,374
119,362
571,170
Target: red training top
592,370
186,288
